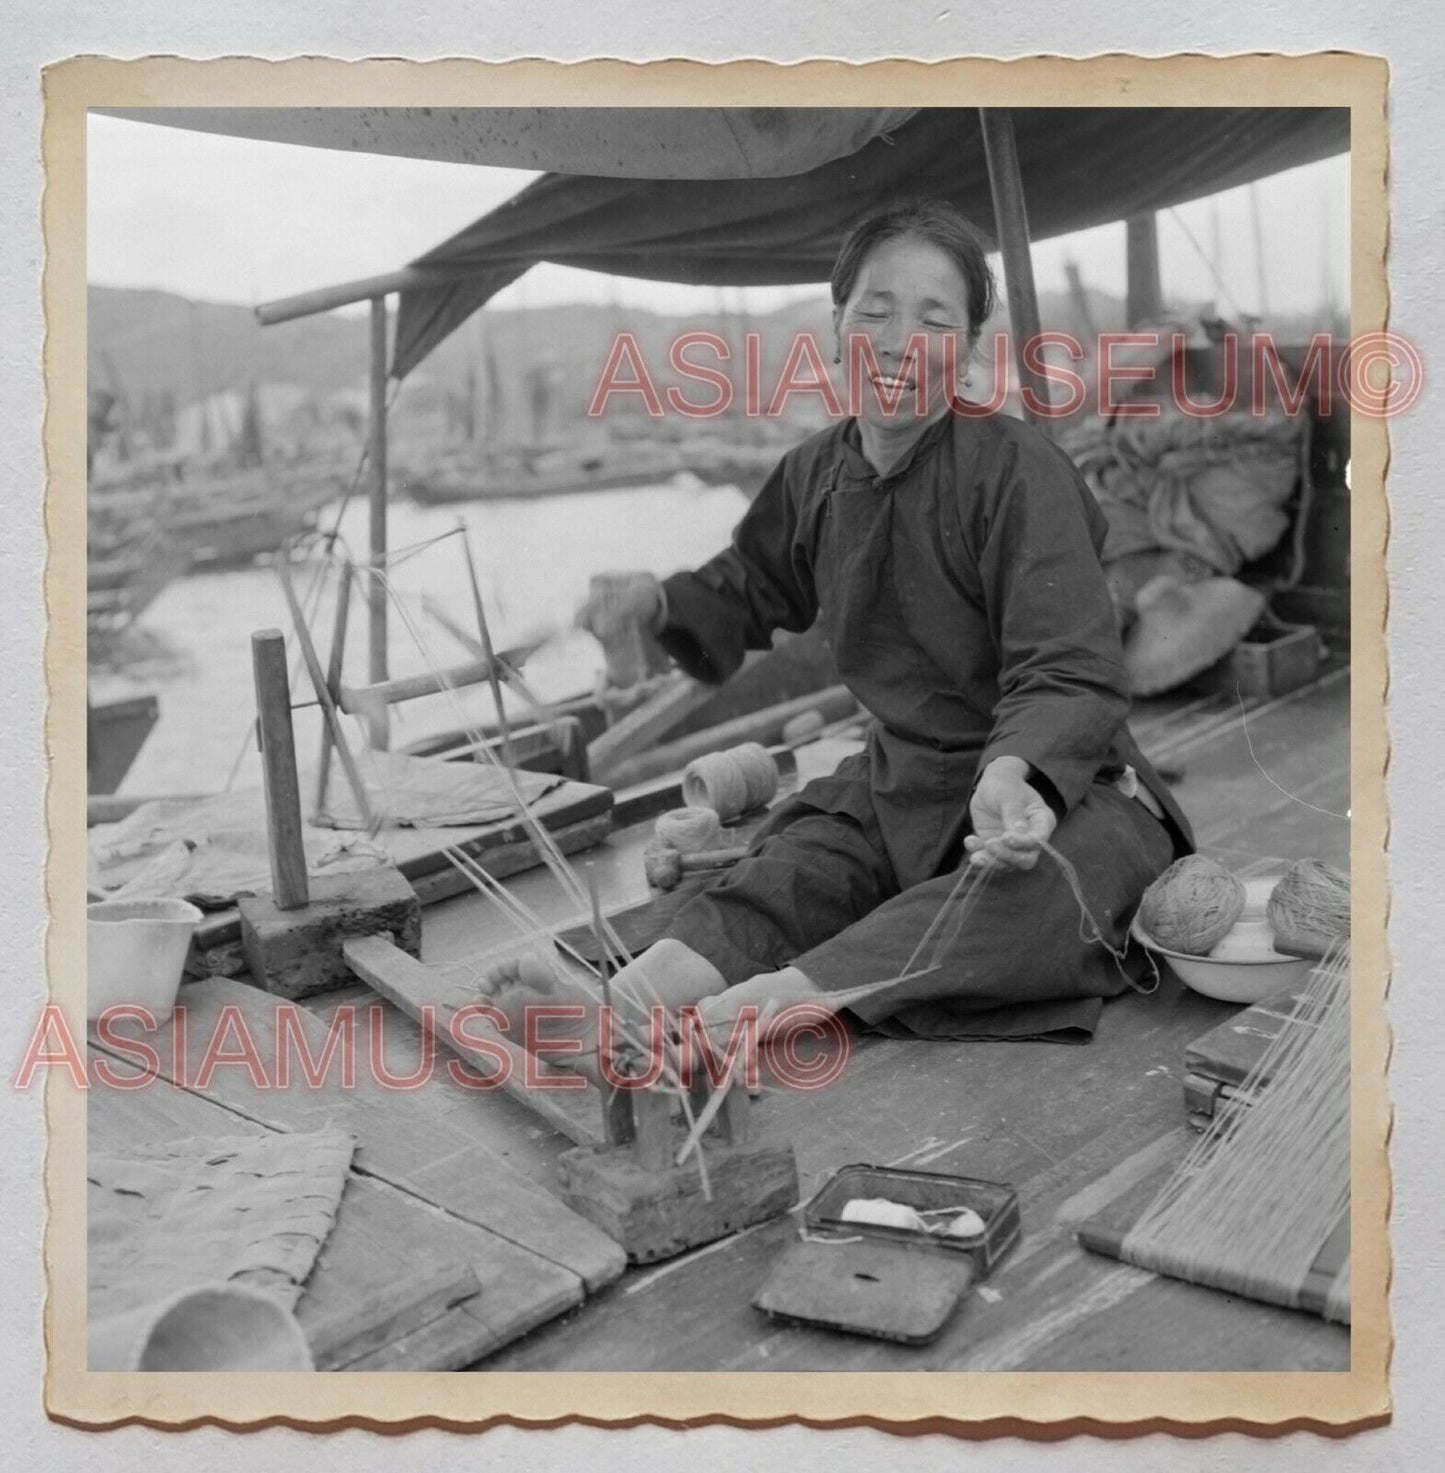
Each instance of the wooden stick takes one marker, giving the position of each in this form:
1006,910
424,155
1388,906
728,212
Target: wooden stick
360,699
278,760
333,681
376,502
618,1121
323,693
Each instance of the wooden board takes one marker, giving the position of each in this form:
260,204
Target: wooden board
434,996
404,1133
379,1234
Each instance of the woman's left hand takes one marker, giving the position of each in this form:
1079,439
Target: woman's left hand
1010,818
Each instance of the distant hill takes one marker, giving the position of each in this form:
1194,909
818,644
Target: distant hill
152,342
530,371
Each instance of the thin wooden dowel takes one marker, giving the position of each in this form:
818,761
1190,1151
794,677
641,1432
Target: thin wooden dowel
376,500
333,682
323,694
284,833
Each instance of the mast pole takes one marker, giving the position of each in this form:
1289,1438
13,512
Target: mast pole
1012,225
376,460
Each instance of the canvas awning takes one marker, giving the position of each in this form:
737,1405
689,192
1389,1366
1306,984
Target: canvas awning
1080,167
617,142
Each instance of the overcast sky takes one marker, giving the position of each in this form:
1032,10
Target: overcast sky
231,220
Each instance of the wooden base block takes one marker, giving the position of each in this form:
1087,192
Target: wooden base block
657,1214
294,953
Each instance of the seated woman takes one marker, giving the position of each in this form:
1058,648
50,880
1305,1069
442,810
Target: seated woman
953,557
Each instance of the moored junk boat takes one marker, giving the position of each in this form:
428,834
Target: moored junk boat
525,472
214,516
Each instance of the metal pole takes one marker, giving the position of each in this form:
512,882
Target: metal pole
1012,225
376,457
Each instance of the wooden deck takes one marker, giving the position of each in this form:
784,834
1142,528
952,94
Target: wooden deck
1071,1127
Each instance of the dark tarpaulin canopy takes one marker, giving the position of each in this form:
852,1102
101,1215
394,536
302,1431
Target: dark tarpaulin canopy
697,143
1080,167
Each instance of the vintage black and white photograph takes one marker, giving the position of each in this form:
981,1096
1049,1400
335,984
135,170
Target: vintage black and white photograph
718,738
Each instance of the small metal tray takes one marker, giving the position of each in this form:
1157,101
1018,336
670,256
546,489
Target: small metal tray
926,1192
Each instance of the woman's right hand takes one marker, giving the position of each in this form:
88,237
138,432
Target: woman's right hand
616,600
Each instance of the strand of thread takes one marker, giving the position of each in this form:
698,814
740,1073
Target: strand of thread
731,783
690,830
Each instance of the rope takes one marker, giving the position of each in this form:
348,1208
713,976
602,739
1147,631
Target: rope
689,830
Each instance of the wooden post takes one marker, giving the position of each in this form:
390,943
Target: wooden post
1012,226
1144,298
376,455
278,761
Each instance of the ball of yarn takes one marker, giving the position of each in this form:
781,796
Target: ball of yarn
1192,905
690,830
1312,899
731,783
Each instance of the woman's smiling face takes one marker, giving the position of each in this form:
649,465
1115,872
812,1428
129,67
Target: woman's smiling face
906,289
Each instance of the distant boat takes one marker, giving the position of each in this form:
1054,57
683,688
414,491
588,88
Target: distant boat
550,471
129,561
115,731
210,517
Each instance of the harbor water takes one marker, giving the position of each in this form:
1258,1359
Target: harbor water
191,647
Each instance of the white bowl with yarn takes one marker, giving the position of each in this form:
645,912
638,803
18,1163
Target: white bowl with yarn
1243,966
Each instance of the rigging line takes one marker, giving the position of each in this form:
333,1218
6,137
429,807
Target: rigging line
311,599
1209,265
1249,742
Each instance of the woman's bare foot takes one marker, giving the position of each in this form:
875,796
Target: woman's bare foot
549,1014
544,1005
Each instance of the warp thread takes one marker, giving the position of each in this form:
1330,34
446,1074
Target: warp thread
731,783
1251,1206
689,830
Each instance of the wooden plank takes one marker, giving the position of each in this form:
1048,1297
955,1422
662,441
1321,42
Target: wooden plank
430,996
654,718
394,1311
282,788
404,1131
376,1228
